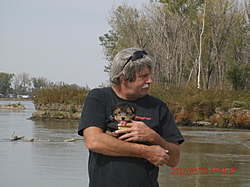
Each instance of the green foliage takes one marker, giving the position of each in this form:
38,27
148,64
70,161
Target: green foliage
5,82
109,42
182,6
238,75
39,83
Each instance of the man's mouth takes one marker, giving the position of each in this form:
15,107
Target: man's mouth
146,86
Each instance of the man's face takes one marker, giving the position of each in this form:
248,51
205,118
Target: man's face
140,86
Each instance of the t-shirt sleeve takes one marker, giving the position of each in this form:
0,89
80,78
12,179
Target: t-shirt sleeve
168,128
93,112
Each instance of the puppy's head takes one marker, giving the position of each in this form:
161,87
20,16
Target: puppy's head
124,111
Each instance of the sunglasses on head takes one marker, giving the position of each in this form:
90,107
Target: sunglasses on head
135,56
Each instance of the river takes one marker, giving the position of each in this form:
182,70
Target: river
209,156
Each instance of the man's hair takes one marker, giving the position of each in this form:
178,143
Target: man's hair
129,70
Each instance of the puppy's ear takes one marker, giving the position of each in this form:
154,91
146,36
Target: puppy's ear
132,109
116,111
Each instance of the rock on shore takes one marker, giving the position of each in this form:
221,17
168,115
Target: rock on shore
13,106
232,118
57,111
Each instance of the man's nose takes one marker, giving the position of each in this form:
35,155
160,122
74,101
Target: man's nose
150,80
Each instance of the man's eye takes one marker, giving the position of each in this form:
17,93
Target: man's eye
143,76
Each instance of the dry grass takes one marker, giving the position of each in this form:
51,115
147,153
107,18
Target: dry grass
191,104
62,93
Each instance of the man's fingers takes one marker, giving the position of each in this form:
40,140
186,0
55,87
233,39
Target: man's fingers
123,130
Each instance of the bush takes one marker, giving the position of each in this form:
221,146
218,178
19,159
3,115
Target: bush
193,104
62,93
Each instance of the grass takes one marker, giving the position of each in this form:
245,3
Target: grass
191,104
62,93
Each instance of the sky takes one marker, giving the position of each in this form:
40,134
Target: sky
56,39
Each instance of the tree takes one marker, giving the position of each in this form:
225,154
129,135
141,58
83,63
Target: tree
5,82
38,84
238,76
191,41
22,83
128,31
110,46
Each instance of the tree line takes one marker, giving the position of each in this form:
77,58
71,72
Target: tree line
21,84
12,85
205,43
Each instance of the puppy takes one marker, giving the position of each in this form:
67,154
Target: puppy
122,113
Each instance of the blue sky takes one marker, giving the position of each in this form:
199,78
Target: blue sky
56,39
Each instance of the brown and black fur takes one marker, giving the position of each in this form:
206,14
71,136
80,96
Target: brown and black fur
123,111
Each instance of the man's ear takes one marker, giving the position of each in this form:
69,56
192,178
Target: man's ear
122,79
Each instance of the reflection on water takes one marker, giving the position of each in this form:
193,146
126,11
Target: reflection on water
59,164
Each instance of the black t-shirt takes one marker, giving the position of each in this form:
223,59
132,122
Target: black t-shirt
109,171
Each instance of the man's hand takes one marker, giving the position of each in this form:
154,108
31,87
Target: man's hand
139,131
157,156
136,131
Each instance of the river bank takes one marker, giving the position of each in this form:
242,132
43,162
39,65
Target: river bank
232,118
57,111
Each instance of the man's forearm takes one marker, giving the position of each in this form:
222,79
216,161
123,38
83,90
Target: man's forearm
99,142
173,149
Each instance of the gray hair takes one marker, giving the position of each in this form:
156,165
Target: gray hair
117,67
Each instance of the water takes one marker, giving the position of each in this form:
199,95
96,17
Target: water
61,164
211,149
39,164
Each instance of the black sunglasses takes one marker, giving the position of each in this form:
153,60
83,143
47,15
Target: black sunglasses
135,56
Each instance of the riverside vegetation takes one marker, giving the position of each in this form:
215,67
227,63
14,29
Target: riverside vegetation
189,105
216,107
60,101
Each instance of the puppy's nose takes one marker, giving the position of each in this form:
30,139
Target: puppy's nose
123,118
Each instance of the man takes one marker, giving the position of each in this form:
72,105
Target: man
123,161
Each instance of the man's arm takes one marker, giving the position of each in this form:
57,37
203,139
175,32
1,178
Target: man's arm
173,149
99,142
138,131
